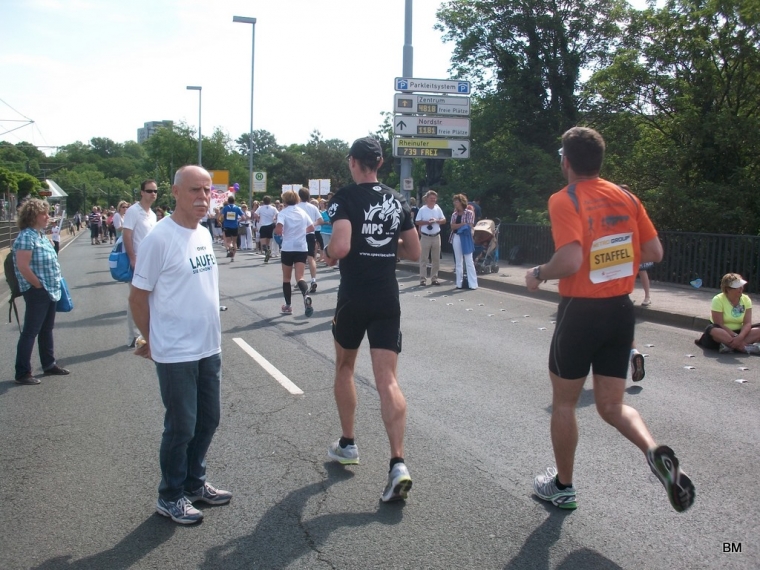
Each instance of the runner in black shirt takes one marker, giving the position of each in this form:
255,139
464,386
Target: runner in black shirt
372,225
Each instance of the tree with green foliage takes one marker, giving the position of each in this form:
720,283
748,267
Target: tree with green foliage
682,91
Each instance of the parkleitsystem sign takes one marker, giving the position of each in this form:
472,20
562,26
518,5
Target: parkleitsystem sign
438,113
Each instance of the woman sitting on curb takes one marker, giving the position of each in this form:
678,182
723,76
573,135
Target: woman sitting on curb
731,326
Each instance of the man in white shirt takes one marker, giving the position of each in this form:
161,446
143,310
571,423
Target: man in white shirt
139,219
175,300
311,238
429,220
266,216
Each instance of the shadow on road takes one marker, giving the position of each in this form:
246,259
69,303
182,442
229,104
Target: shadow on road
282,535
535,552
129,551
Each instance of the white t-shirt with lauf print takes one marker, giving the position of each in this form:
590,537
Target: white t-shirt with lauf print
179,267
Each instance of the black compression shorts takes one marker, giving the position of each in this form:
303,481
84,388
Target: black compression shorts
290,258
311,241
592,334
380,318
266,232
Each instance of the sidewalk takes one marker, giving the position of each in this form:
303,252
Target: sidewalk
679,306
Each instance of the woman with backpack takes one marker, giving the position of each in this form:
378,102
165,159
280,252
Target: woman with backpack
39,278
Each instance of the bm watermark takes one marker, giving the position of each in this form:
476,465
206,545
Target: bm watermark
732,547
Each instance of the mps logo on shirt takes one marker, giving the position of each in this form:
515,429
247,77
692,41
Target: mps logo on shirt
381,221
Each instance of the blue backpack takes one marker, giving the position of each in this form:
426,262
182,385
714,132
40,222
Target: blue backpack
118,263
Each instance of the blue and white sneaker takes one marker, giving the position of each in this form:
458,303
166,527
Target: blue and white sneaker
399,484
181,511
209,495
308,309
545,487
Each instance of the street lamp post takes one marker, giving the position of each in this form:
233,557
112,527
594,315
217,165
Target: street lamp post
199,89
252,21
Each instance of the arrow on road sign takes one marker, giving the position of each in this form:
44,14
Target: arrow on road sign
401,125
462,149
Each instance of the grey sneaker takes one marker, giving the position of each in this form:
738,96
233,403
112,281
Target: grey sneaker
209,495
664,463
545,487
348,455
313,287
752,349
725,349
637,367
399,484
181,511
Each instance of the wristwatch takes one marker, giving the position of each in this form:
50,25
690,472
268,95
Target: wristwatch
537,273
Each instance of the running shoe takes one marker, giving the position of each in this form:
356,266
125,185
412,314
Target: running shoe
209,495
286,310
348,455
267,256
637,367
307,305
664,464
399,484
313,288
724,349
545,487
752,349
181,511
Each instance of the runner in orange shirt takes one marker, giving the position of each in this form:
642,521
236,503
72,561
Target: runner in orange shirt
601,235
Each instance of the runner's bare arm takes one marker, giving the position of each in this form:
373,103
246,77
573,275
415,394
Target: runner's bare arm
651,250
409,245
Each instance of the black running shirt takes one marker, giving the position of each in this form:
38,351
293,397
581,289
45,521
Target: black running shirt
378,215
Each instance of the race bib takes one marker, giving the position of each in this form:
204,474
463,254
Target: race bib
231,216
611,258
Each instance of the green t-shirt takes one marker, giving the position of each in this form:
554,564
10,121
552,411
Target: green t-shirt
733,317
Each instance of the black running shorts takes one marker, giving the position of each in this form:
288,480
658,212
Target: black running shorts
230,232
266,232
592,334
290,258
380,318
311,241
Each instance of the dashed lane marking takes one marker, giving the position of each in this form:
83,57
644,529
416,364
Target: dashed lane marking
266,365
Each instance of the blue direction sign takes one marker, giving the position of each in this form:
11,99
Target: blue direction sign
433,85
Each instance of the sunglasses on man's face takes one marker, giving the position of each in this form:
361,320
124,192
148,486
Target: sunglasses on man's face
151,191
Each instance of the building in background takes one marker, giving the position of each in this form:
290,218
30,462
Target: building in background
150,128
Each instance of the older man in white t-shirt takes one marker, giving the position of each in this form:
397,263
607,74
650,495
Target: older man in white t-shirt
429,220
175,301
138,221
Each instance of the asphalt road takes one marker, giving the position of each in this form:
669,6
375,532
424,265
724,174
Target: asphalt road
79,454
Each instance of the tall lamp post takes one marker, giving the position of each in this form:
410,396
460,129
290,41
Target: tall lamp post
198,88
252,21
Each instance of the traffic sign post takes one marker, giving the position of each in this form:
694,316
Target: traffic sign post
433,85
431,126
259,181
409,103
431,148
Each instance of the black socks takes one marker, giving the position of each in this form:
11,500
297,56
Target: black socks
395,460
302,286
560,486
345,442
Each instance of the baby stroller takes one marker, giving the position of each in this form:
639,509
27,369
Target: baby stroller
486,254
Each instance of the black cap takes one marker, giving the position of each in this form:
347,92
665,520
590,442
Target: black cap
366,148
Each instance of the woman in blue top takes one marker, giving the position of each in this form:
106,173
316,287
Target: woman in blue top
731,319
39,278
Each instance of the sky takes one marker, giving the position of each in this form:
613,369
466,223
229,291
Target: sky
101,68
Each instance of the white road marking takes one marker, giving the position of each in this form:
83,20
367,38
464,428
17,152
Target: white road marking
266,365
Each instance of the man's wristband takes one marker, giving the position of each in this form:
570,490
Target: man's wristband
537,273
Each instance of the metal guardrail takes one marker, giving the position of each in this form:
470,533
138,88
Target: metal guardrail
8,233
688,255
